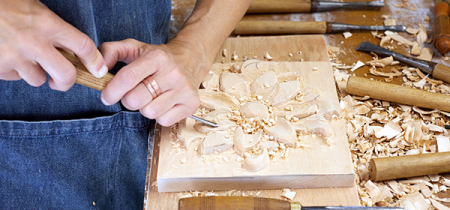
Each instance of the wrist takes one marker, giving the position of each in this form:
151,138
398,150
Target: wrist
193,55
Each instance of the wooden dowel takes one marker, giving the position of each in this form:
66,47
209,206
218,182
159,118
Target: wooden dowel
277,6
281,27
397,93
388,168
84,77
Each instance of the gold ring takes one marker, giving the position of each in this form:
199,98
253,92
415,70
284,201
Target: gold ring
150,88
154,85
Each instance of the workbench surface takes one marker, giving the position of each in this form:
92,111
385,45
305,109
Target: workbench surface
404,16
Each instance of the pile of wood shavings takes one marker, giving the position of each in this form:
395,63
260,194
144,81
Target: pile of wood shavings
382,129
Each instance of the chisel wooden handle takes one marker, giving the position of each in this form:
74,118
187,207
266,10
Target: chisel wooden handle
84,77
397,93
441,27
441,72
277,6
235,202
282,27
388,168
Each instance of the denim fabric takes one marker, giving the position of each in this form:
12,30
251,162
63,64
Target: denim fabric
74,164
66,150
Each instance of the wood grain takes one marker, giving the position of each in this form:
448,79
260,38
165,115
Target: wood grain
84,77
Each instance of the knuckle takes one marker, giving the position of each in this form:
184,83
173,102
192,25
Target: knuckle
68,76
86,46
160,55
133,101
128,77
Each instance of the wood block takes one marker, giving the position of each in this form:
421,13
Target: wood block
315,166
342,196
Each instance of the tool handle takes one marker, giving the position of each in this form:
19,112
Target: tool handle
397,93
234,202
441,8
441,72
279,6
388,168
441,27
84,77
281,27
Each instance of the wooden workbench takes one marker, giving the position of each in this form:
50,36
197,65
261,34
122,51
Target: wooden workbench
404,16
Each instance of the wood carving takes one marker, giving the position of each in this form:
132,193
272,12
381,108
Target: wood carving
278,122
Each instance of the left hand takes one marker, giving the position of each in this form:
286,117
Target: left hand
171,66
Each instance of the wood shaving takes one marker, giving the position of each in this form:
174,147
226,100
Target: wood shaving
422,35
426,54
358,65
394,73
390,22
384,40
287,193
398,38
347,35
268,57
391,129
416,49
412,31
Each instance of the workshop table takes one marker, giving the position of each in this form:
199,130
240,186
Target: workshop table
404,16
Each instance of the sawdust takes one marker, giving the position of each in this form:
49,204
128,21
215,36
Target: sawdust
386,129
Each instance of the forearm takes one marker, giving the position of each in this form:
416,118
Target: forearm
207,28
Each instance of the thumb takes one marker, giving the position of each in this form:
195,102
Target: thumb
75,41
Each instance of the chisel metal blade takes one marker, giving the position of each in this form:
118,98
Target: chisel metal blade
425,66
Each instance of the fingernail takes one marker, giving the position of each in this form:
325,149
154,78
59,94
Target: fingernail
104,102
102,72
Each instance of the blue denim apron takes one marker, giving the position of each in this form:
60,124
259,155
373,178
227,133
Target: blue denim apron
66,150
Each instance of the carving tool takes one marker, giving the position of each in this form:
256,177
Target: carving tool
436,70
85,78
396,93
441,27
388,168
210,123
257,203
292,6
305,27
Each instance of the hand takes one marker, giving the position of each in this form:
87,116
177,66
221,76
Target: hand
29,36
172,66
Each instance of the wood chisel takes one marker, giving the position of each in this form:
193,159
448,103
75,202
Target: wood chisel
305,27
292,6
405,166
436,70
441,27
85,78
257,203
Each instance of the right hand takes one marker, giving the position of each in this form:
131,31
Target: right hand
29,36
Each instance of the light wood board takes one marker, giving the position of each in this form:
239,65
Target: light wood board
317,165
279,48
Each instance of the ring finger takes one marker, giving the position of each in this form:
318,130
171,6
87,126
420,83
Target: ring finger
141,95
